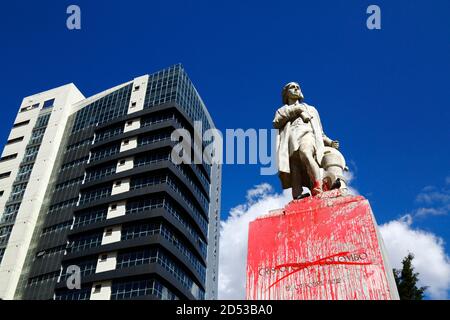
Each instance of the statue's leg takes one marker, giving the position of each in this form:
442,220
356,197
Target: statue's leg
313,169
296,180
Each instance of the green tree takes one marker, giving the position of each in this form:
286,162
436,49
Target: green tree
406,280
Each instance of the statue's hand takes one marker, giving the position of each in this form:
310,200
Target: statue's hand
305,117
294,112
335,144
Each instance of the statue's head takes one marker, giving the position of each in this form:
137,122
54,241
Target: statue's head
292,91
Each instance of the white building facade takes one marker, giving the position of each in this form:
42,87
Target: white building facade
89,183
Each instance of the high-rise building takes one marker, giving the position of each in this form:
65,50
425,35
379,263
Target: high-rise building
88,191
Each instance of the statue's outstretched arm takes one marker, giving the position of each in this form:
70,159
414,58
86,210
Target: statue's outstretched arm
327,141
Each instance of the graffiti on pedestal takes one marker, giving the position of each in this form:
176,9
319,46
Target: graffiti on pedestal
342,258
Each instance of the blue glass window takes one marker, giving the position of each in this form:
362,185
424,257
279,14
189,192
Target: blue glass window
48,104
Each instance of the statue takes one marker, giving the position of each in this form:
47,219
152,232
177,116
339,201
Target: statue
303,149
335,232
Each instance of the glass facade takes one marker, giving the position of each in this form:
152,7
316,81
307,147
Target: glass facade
20,184
122,290
88,220
160,257
73,295
104,109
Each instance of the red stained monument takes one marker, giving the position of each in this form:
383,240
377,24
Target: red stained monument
325,247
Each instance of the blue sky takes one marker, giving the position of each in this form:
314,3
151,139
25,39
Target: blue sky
383,93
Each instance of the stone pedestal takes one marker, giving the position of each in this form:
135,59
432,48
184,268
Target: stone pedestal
319,248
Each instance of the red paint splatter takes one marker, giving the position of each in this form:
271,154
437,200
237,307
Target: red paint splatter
321,262
307,230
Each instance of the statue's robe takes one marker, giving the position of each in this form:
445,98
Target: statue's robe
289,140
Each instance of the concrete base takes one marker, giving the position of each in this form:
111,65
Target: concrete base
319,248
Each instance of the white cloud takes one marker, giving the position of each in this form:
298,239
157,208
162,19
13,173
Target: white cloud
258,191
436,202
349,176
234,235
430,212
434,196
431,261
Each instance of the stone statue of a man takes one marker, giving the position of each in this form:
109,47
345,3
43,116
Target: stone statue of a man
303,148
